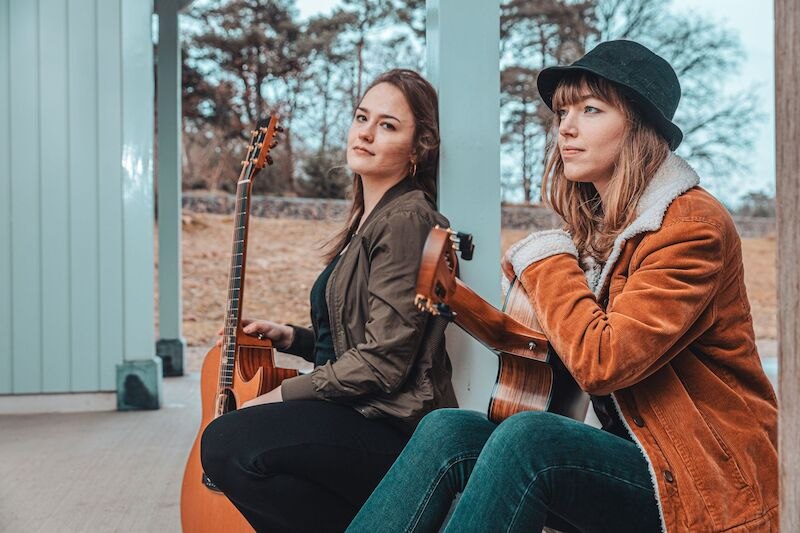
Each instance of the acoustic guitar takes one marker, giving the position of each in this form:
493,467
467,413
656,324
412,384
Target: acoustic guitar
241,369
530,376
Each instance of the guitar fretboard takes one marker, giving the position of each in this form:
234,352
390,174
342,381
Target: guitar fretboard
235,284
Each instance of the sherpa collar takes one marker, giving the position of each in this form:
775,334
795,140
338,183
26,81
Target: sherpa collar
673,178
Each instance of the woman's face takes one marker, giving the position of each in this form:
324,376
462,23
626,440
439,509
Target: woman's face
590,134
379,143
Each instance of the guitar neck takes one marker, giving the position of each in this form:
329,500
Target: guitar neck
497,330
241,223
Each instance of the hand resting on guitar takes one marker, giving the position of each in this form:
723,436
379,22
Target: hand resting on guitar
281,335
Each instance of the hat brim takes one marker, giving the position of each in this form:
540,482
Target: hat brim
549,78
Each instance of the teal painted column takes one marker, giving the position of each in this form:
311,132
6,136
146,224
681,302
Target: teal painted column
463,63
171,344
139,382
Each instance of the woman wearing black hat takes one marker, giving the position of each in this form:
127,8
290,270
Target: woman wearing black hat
642,295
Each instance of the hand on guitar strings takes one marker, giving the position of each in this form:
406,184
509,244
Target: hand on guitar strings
281,335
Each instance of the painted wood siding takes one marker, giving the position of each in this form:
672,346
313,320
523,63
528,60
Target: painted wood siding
76,192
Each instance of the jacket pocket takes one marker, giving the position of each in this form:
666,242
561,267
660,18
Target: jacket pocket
738,475
709,462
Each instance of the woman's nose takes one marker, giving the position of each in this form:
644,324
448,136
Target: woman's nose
365,134
567,125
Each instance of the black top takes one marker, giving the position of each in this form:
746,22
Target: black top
320,320
607,414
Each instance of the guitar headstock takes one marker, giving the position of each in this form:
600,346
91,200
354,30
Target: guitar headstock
436,280
262,140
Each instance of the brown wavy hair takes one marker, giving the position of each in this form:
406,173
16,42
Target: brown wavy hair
593,225
424,104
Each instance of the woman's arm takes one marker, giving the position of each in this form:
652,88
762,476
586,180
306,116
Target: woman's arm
663,307
302,344
395,327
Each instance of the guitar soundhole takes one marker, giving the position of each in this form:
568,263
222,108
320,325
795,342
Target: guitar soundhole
209,484
439,290
228,402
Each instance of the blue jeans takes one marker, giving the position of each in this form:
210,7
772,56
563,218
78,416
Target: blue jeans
533,470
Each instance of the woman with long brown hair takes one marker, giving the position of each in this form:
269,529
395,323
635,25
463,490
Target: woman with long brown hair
642,296
305,456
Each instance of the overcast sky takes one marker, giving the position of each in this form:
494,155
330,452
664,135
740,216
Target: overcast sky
753,20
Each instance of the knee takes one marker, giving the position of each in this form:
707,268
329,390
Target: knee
216,450
445,421
536,432
532,424
445,432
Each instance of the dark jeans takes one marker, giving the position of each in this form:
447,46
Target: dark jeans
298,466
533,470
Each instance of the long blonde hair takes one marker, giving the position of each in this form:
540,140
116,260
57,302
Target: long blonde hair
594,226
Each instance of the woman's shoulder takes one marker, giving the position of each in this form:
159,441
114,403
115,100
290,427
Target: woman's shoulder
412,207
699,206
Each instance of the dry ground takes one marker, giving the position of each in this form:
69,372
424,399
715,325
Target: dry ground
284,259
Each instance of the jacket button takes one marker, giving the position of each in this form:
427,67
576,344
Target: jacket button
638,421
668,476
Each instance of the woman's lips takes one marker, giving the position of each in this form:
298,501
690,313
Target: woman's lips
569,152
361,150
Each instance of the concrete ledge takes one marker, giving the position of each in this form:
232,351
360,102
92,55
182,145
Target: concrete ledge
79,402
529,217
139,384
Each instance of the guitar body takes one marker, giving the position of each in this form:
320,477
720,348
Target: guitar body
203,507
531,382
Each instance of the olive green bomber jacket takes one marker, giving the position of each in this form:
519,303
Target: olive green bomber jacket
390,356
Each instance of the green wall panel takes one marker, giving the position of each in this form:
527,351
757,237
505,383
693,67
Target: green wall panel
109,101
54,163
5,204
26,291
76,192
83,116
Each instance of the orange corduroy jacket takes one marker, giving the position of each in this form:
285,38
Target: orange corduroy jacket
664,327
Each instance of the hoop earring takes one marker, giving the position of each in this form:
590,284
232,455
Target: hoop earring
413,169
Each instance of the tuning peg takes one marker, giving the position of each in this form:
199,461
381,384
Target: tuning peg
274,144
279,129
465,245
424,304
269,160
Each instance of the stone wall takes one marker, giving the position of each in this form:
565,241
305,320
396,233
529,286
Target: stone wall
532,217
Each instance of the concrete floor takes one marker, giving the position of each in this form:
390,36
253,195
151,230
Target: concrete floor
111,471
98,472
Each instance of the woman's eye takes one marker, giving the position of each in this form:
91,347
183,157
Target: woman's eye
387,126
591,109
561,113
360,117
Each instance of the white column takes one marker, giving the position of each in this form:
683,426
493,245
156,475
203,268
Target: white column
463,43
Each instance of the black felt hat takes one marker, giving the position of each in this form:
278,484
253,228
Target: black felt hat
642,76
